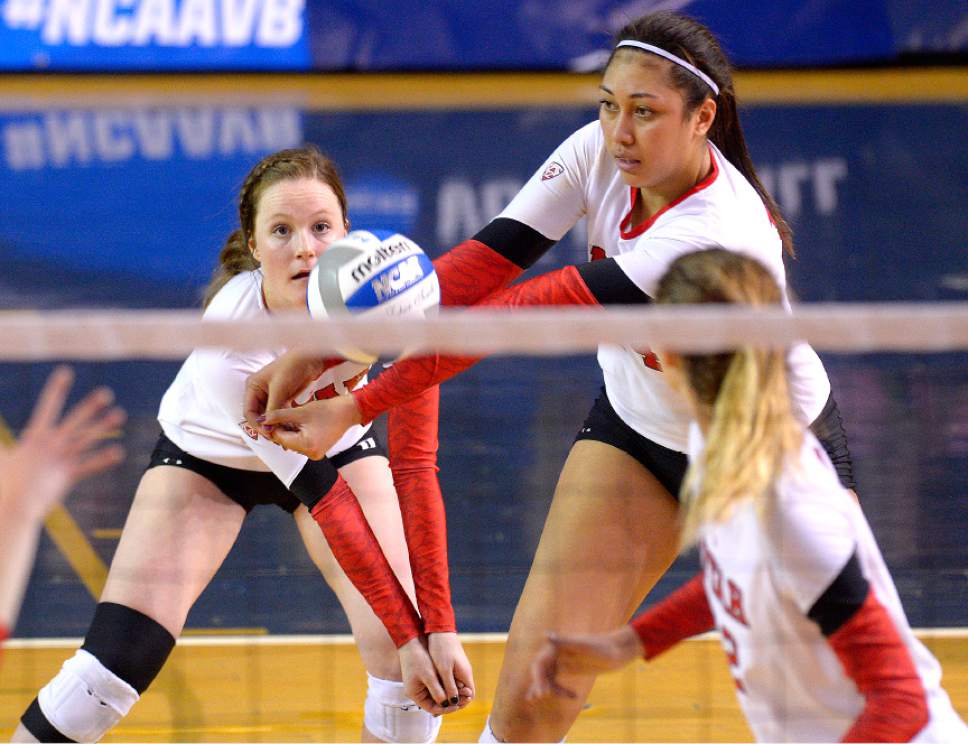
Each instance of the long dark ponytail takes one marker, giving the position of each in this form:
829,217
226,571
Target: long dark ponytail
689,39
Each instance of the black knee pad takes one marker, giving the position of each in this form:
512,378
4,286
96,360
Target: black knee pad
129,643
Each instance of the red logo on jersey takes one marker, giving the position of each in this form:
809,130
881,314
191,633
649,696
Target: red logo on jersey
733,604
330,390
651,360
552,171
596,253
252,433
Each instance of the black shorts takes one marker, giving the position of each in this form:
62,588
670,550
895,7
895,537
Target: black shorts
250,488
604,425
829,429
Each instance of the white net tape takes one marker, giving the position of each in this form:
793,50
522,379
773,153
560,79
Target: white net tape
102,335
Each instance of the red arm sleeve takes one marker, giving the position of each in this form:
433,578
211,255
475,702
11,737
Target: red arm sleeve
471,271
681,615
412,430
359,555
877,659
409,377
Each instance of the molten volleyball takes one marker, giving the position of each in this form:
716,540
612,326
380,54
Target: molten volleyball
374,274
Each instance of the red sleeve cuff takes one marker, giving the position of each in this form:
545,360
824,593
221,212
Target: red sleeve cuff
681,615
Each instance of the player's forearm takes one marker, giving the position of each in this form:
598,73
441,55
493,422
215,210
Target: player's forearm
412,430
408,378
358,553
19,533
683,614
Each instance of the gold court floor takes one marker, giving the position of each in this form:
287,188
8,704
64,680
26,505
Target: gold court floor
285,689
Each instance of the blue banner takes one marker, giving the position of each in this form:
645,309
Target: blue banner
149,35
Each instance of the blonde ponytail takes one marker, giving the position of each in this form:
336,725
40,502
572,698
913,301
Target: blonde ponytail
743,394
751,433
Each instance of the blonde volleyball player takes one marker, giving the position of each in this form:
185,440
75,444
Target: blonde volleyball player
37,470
209,469
664,171
809,618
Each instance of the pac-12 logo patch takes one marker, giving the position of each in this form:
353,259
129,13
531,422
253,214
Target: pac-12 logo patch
552,171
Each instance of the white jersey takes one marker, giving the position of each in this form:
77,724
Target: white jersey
201,411
723,211
762,576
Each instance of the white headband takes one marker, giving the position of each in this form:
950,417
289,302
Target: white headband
672,58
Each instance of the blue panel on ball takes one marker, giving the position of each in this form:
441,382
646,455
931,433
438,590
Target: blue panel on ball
391,281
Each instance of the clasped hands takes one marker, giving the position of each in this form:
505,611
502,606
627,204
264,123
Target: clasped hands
436,673
311,429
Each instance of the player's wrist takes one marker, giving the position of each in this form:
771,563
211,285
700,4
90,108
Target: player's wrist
360,409
629,643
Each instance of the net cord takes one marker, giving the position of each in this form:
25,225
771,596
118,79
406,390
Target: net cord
173,334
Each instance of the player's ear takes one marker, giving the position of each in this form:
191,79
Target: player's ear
705,116
254,250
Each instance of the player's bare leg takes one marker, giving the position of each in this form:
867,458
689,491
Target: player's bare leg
178,532
372,483
609,536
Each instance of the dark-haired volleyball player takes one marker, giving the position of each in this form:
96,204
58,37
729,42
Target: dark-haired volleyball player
664,171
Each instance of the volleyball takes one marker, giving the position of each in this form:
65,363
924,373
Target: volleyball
374,274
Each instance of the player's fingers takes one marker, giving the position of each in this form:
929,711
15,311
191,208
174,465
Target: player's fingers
290,418
562,691
542,671
104,426
254,400
434,688
445,672
464,676
50,403
97,461
85,413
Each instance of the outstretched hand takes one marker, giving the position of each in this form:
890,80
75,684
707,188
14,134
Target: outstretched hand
311,429
420,680
53,454
453,668
580,654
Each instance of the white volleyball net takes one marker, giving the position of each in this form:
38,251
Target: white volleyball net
899,372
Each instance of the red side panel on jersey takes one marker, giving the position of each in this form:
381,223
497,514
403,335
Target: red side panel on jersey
470,271
681,615
875,657
408,378
412,434
359,555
